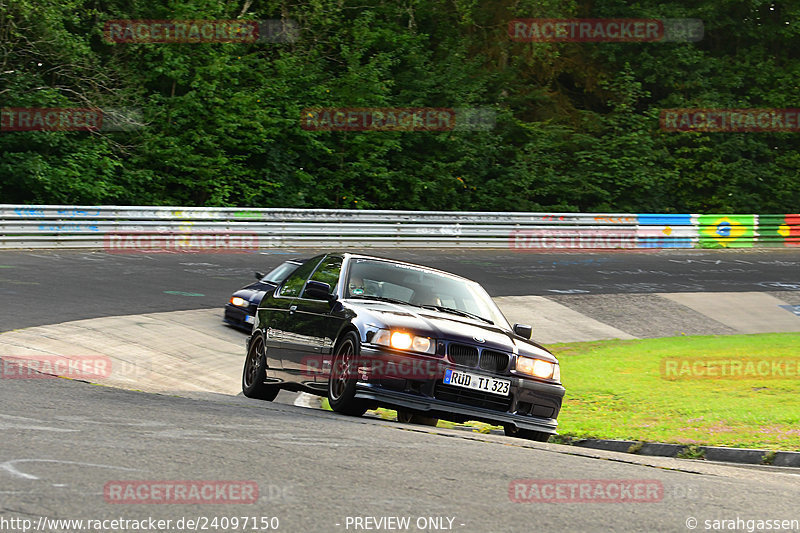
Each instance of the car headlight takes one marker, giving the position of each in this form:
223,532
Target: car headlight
400,340
538,368
239,302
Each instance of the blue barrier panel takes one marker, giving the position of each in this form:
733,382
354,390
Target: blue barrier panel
666,231
664,220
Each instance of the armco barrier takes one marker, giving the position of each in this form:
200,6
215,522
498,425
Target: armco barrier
94,227
779,230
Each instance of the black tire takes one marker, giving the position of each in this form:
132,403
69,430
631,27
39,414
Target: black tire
342,381
528,434
409,417
255,372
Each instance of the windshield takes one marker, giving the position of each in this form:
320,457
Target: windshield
280,273
421,287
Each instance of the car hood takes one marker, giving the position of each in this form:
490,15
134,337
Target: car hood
446,326
254,291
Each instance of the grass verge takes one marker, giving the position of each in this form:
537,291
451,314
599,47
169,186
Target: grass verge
621,390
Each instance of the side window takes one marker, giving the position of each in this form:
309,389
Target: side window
294,283
328,271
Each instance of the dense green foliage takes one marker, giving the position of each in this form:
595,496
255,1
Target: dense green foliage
577,126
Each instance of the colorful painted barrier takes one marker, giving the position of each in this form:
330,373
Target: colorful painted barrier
727,231
56,226
779,230
666,231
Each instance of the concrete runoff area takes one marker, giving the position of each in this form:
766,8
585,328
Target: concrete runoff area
179,351
745,312
790,297
644,315
553,322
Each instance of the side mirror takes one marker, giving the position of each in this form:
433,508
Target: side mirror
523,330
259,275
317,290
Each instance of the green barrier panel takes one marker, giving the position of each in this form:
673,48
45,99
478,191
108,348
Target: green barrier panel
779,231
726,231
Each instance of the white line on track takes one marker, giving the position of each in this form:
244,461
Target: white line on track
9,467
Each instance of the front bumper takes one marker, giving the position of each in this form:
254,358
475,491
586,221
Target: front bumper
238,316
531,404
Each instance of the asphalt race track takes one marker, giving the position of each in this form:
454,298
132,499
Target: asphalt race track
47,287
67,444
64,441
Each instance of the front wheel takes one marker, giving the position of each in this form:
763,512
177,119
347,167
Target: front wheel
529,434
342,381
255,372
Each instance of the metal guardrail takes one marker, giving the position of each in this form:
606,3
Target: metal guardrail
146,228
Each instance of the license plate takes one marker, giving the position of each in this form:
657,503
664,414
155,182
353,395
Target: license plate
468,380
249,319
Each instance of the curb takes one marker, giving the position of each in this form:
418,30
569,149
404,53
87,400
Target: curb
708,453
720,454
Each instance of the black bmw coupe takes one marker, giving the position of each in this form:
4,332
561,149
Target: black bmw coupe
366,331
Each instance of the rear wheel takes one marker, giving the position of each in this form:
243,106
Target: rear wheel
255,372
342,382
409,417
529,434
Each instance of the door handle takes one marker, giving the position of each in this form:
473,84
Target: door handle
292,309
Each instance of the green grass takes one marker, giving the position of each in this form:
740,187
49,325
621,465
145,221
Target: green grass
615,390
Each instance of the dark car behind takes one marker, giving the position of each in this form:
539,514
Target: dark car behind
242,305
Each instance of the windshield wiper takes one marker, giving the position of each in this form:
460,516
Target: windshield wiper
458,312
441,308
380,299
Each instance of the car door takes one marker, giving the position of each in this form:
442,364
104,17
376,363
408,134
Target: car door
275,311
314,325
